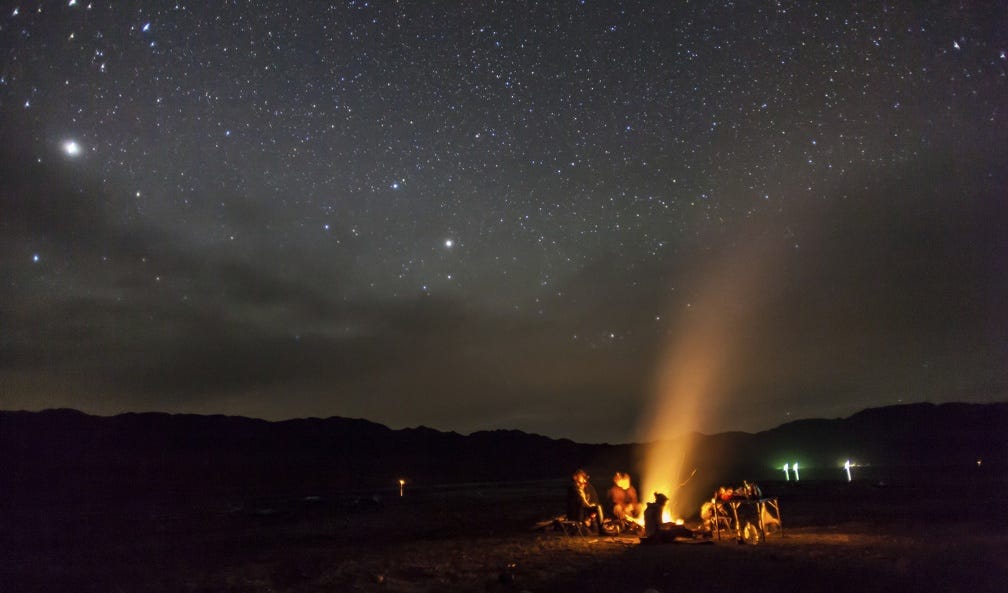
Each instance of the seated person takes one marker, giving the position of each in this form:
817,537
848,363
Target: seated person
622,498
583,501
653,515
714,514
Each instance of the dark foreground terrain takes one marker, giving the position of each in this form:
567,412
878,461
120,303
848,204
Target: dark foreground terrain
838,537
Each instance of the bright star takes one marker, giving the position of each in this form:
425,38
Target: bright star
36,258
449,243
71,148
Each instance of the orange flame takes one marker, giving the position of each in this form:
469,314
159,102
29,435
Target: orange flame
687,378
695,370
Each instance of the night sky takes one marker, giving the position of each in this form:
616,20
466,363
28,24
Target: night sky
478,215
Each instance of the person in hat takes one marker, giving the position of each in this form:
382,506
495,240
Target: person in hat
653,514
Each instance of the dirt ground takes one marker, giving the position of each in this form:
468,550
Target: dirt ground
855,537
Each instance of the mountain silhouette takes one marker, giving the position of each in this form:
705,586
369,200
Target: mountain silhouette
66,454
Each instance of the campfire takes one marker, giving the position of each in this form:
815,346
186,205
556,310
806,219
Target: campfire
659,524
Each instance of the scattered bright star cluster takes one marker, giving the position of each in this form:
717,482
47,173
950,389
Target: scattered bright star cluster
496,214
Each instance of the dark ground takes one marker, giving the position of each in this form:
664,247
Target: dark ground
854,537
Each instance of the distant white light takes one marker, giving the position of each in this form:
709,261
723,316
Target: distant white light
146,27
71,148
35,257
449,243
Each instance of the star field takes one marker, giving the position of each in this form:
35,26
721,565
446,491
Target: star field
491,214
